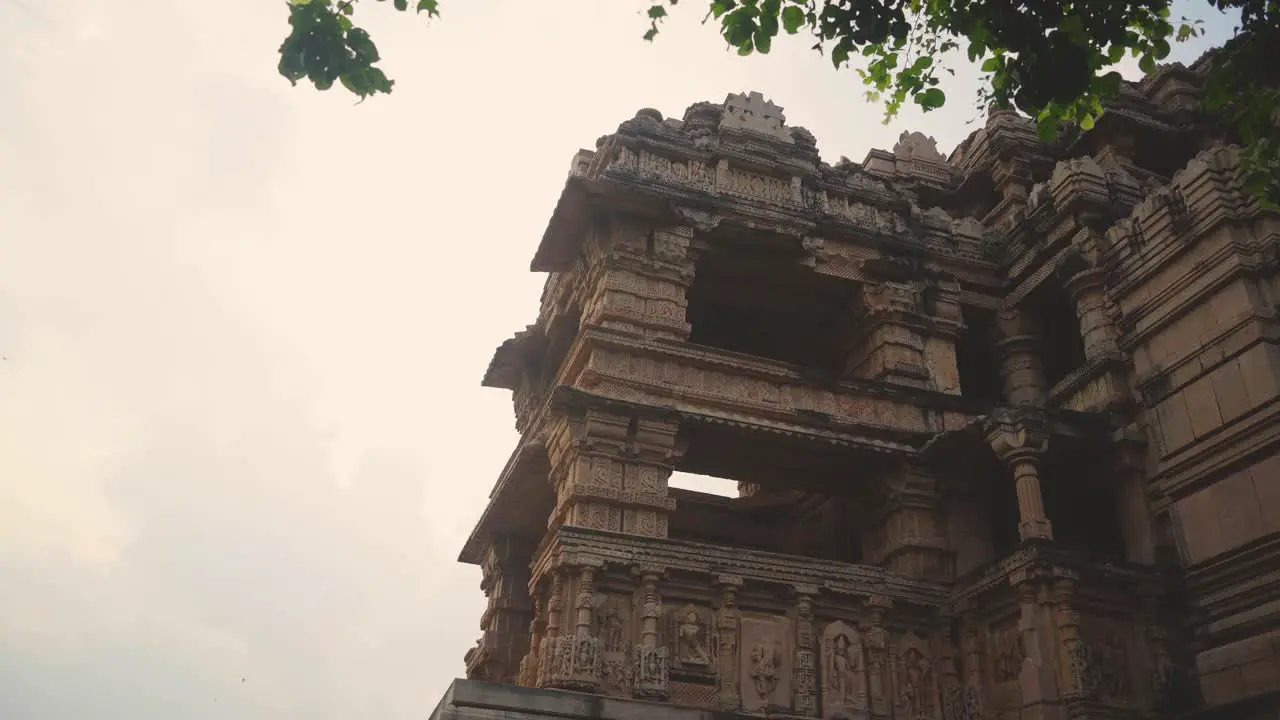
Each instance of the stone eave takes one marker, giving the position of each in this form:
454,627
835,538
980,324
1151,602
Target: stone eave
559,245
500,511
509,359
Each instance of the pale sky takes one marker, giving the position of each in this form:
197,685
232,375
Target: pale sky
242,435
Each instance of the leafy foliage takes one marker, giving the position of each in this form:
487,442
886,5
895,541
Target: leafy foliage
1051,59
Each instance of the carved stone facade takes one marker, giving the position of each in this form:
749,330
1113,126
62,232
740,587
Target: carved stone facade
1005,422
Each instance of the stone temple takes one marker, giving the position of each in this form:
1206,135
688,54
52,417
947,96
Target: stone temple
1005,426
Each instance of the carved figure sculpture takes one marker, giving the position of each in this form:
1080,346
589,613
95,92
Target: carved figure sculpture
844,671
765,658
691,638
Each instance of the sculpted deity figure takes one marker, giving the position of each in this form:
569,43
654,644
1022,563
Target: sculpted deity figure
691,639
764,669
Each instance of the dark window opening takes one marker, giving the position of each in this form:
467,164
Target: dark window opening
766,304
1002,513
1084,513
1061,345
976,358
559,339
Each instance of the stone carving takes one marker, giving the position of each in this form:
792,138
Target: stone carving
766,669
690,638
915,693
753,113
1007,653
844,671
917,146
612,619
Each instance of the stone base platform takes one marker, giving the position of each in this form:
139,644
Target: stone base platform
473,700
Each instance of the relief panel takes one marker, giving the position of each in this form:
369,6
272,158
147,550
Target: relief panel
765,662
1005,653
844,672
1109,641
915,690
614,622
689,639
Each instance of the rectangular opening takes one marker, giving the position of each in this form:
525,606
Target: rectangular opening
762,302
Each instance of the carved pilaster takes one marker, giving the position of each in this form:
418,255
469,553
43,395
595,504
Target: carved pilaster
1019,439
1037,679
911,529
537,631
1086,286
610,472
1079,676
906,329
651,670
805,675
1021,368
551,659
1129,466
580,664
505,581
727,633
878,656
638,278
972,706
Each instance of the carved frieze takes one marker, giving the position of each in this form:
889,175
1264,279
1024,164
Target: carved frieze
689,638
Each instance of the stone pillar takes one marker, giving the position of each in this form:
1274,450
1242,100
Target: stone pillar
505,621
1020,441
949,684
537,629
970,629
1021,368
1129,466
913,543
906,332
638,278
805,676
549,649
1097,332
651,670
1037,678
727,645
877,655
610,472
1078,679
578,664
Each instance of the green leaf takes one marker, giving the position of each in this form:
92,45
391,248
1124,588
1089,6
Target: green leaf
430,7
792,19
1086,122
931,99
657,11
1147,64
991,65
402,5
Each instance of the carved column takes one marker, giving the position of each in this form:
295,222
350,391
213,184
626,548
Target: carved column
1020,365
1019,440
805,676
906,329
1129,466
877,652
1037,678
537,629
727,642
1078,679
579,665
1096,329
610,472
972,708
949,675
637,279
551,654
651,669
912,540
505,622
